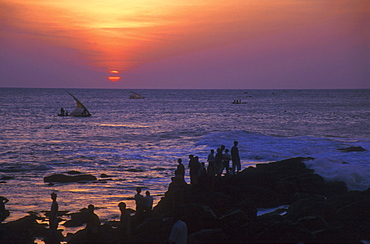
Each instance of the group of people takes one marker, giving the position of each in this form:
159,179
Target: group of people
203,176
144,205
217,164
221,161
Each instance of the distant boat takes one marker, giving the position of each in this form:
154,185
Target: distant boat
80,111
238,102
134,95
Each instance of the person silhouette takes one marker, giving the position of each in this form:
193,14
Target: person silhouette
139,201
179,231
211,156
93,225
3,212
235,158
194,169
226,161
218,162
148,202
125,222
53,215
180,168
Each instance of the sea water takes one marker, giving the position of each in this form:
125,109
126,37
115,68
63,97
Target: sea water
137,142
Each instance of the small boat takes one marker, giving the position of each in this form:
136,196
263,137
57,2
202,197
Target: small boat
134,95
80,111
238,102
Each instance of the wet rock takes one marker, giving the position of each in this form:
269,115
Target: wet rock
77,219
22,230
7,177
352,149
67,178
73,172
105,176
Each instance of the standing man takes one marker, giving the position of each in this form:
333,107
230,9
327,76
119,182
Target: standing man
53,215
194,169
180,170
148,202
235,158
226,157
139,200
211,156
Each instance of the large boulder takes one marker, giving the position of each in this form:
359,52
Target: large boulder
197,217
313,206
22,230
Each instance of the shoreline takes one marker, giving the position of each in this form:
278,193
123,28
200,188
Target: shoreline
318,211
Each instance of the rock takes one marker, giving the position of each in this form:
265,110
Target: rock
153,229
77,219
337,234
208,236
314,206
298,209
352,149
6,177
105,176
67,178
248,208
22,230
73,172
197,217
313,223
346,198
284,232
357,212
234,219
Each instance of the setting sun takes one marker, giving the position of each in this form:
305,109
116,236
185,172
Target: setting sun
115,77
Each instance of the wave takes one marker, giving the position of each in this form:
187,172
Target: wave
353,168
23,167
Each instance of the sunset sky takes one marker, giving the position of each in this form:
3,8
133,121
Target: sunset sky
213,44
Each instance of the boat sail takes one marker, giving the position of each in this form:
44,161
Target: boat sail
134,95
80,111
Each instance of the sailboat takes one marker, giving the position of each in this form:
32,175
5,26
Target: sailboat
80,111
134,95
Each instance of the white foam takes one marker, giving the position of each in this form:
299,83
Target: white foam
356,176
353,168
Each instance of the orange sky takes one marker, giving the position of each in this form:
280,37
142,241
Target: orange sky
130,35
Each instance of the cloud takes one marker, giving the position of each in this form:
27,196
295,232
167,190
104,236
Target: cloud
273,43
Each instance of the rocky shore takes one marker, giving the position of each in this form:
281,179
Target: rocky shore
308,210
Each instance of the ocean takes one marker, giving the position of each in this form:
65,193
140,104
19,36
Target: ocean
137,142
